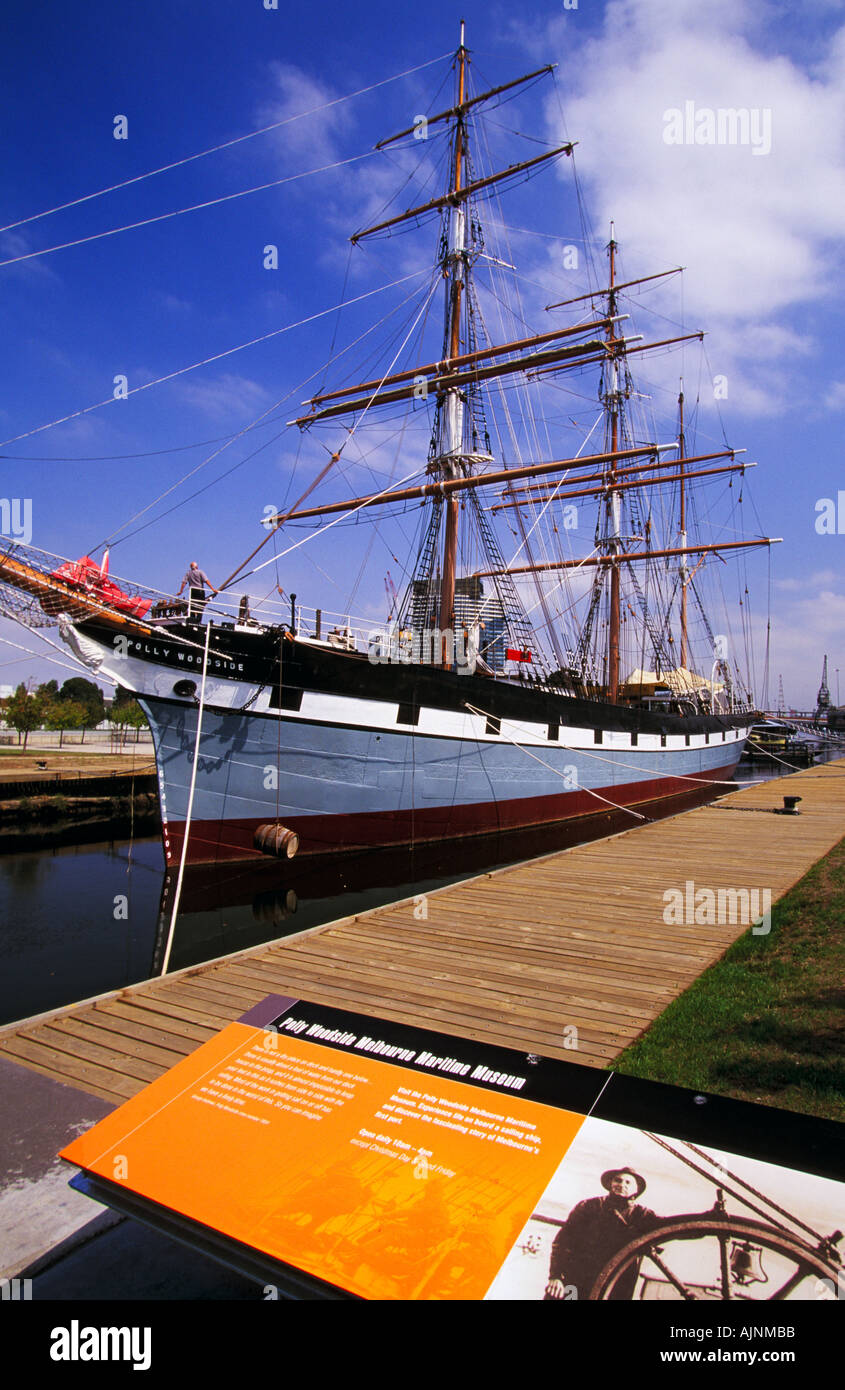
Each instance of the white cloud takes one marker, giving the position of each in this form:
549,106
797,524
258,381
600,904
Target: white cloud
358,194
812,581
172,304
313,125
802,635
228,397
760,233
808,623
16,243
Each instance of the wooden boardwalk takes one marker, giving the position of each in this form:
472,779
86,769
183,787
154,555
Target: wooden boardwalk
520,956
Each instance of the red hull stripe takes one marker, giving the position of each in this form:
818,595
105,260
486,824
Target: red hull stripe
215,841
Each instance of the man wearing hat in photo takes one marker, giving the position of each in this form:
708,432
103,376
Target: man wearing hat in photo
594,1232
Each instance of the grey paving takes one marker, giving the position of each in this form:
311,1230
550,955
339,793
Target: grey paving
69,1246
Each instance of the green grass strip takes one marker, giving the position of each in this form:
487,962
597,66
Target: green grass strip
765,1023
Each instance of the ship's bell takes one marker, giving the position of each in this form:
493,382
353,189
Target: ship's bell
747,1263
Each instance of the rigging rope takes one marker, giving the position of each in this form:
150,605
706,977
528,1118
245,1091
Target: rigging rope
562,775
216,357
675,776
225,145
194,207
42,656
335,457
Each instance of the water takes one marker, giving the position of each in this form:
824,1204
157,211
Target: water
763,769
61,937
82,920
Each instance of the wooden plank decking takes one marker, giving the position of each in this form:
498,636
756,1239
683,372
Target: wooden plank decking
518,956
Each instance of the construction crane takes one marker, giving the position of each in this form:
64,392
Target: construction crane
823,697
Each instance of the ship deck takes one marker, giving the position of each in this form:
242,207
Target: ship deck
517,957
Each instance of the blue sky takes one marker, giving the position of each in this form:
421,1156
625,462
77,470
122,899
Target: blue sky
760,235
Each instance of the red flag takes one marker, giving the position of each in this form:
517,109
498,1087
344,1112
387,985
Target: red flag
516,654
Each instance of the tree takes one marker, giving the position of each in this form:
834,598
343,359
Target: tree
91,718
24,712
48,692
127,714
66,714
87,693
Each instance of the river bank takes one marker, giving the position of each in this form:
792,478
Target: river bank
52,796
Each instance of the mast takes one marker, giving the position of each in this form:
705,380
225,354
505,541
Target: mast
684,573
612,398
460,449
453,267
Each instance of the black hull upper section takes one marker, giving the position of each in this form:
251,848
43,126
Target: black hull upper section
288,667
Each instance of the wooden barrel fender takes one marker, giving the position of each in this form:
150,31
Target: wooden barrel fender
275,838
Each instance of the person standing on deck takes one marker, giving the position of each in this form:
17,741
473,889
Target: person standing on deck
196,580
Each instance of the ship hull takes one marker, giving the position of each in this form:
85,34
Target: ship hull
352,755
342,789
220,841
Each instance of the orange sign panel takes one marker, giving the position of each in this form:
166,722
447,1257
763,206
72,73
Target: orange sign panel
386,1182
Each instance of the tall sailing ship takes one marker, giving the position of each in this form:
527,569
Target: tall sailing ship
464,715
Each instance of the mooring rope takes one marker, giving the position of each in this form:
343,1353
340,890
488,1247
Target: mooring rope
178,893
632,767
562,775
